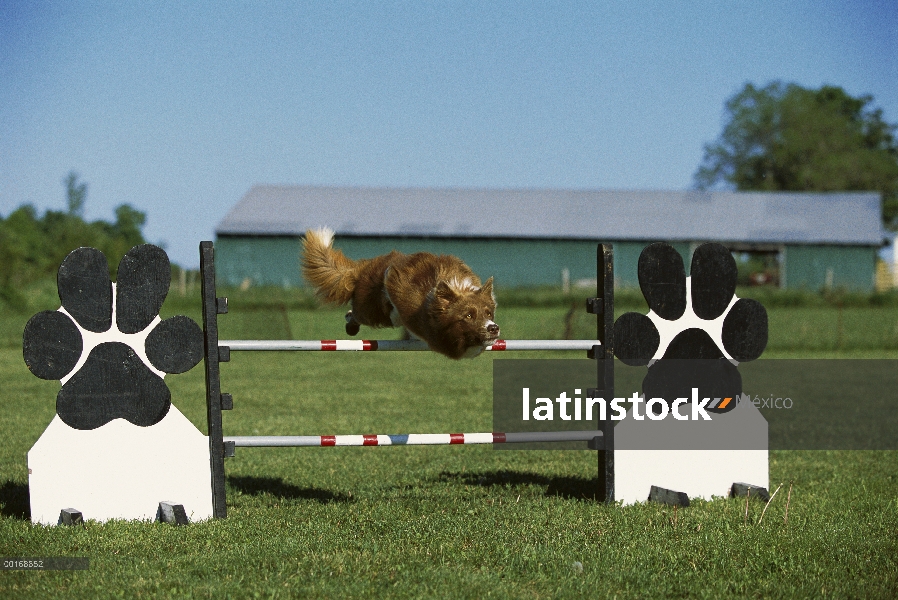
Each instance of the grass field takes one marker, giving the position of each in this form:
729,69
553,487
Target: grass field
465,522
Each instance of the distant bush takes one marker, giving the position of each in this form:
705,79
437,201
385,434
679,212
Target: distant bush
32,246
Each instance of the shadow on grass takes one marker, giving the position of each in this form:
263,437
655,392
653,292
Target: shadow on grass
14,500
576,488
256,486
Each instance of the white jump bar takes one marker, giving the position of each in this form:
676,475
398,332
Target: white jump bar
397,345
413,439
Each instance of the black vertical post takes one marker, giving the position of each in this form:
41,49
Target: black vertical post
211,309
605,362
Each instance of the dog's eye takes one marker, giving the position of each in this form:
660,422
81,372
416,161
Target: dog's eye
469,316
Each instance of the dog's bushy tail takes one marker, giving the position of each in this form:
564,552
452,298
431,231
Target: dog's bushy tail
333,275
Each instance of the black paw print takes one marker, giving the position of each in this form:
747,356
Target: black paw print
693,336
121,376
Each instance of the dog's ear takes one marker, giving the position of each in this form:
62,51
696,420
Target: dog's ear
487,288
444,294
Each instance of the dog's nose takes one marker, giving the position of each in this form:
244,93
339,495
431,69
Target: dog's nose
492,329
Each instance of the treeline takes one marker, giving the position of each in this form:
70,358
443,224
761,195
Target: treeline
32,246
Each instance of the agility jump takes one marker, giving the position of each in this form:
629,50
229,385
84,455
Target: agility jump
110,351
218,351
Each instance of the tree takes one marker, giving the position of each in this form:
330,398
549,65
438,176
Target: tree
76,194
128,223
786,137
32,247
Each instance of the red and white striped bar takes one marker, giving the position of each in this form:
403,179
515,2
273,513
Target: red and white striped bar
397,345
414,439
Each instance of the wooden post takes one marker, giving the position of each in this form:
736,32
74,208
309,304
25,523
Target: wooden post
212,307
604,309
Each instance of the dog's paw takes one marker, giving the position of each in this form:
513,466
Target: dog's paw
698,318
107,344
352,326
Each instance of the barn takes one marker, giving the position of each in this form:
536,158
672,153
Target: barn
547,237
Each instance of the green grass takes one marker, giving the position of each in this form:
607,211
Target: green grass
448,521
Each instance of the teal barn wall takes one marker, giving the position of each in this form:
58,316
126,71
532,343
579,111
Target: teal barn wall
839,267
263,260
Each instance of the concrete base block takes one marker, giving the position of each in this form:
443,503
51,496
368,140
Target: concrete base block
169,512
70,516
752,491
669,497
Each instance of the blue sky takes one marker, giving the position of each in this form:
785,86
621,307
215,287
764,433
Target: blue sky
179,108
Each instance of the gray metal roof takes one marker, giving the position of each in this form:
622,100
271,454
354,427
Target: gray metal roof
750,217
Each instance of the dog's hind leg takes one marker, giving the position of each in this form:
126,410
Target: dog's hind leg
352,326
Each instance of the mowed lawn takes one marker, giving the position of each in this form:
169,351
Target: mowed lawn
468,522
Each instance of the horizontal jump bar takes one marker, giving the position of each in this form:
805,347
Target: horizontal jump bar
403,345
415,439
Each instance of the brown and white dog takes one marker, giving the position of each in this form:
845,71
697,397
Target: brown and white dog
436,298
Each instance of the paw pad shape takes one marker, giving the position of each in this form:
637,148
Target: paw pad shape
696,331
107,344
